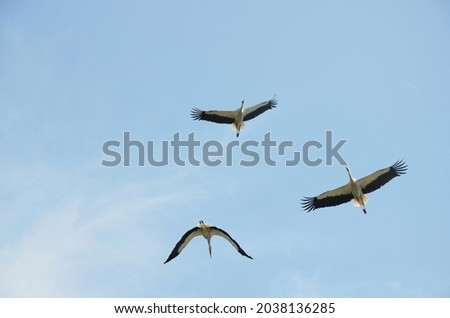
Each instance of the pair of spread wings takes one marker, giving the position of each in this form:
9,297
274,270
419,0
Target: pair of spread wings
197,231
228,117
344,194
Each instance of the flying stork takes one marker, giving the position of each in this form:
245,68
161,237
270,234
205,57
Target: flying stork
207,230
236,117
356,189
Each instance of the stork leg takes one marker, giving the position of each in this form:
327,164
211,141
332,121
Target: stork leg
361,201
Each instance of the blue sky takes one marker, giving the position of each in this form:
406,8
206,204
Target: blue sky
75,75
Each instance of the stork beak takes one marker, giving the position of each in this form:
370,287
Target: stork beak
347,169
242,105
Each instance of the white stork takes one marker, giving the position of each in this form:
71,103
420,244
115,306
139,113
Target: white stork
356,189
236,117
207,230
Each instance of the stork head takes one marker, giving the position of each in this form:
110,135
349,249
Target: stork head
242,104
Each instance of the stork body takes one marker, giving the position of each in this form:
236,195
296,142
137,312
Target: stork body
207,231
356,189
236,117
238,123
359,198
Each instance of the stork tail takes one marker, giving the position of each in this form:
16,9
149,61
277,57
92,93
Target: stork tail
356,202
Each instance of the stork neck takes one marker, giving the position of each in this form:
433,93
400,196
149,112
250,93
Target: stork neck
350,175
209,246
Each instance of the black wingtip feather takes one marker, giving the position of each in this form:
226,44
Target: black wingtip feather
171,257
242,252
273,102
308,204
400,167
196,113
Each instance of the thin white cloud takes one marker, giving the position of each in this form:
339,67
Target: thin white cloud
68,234
294,283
